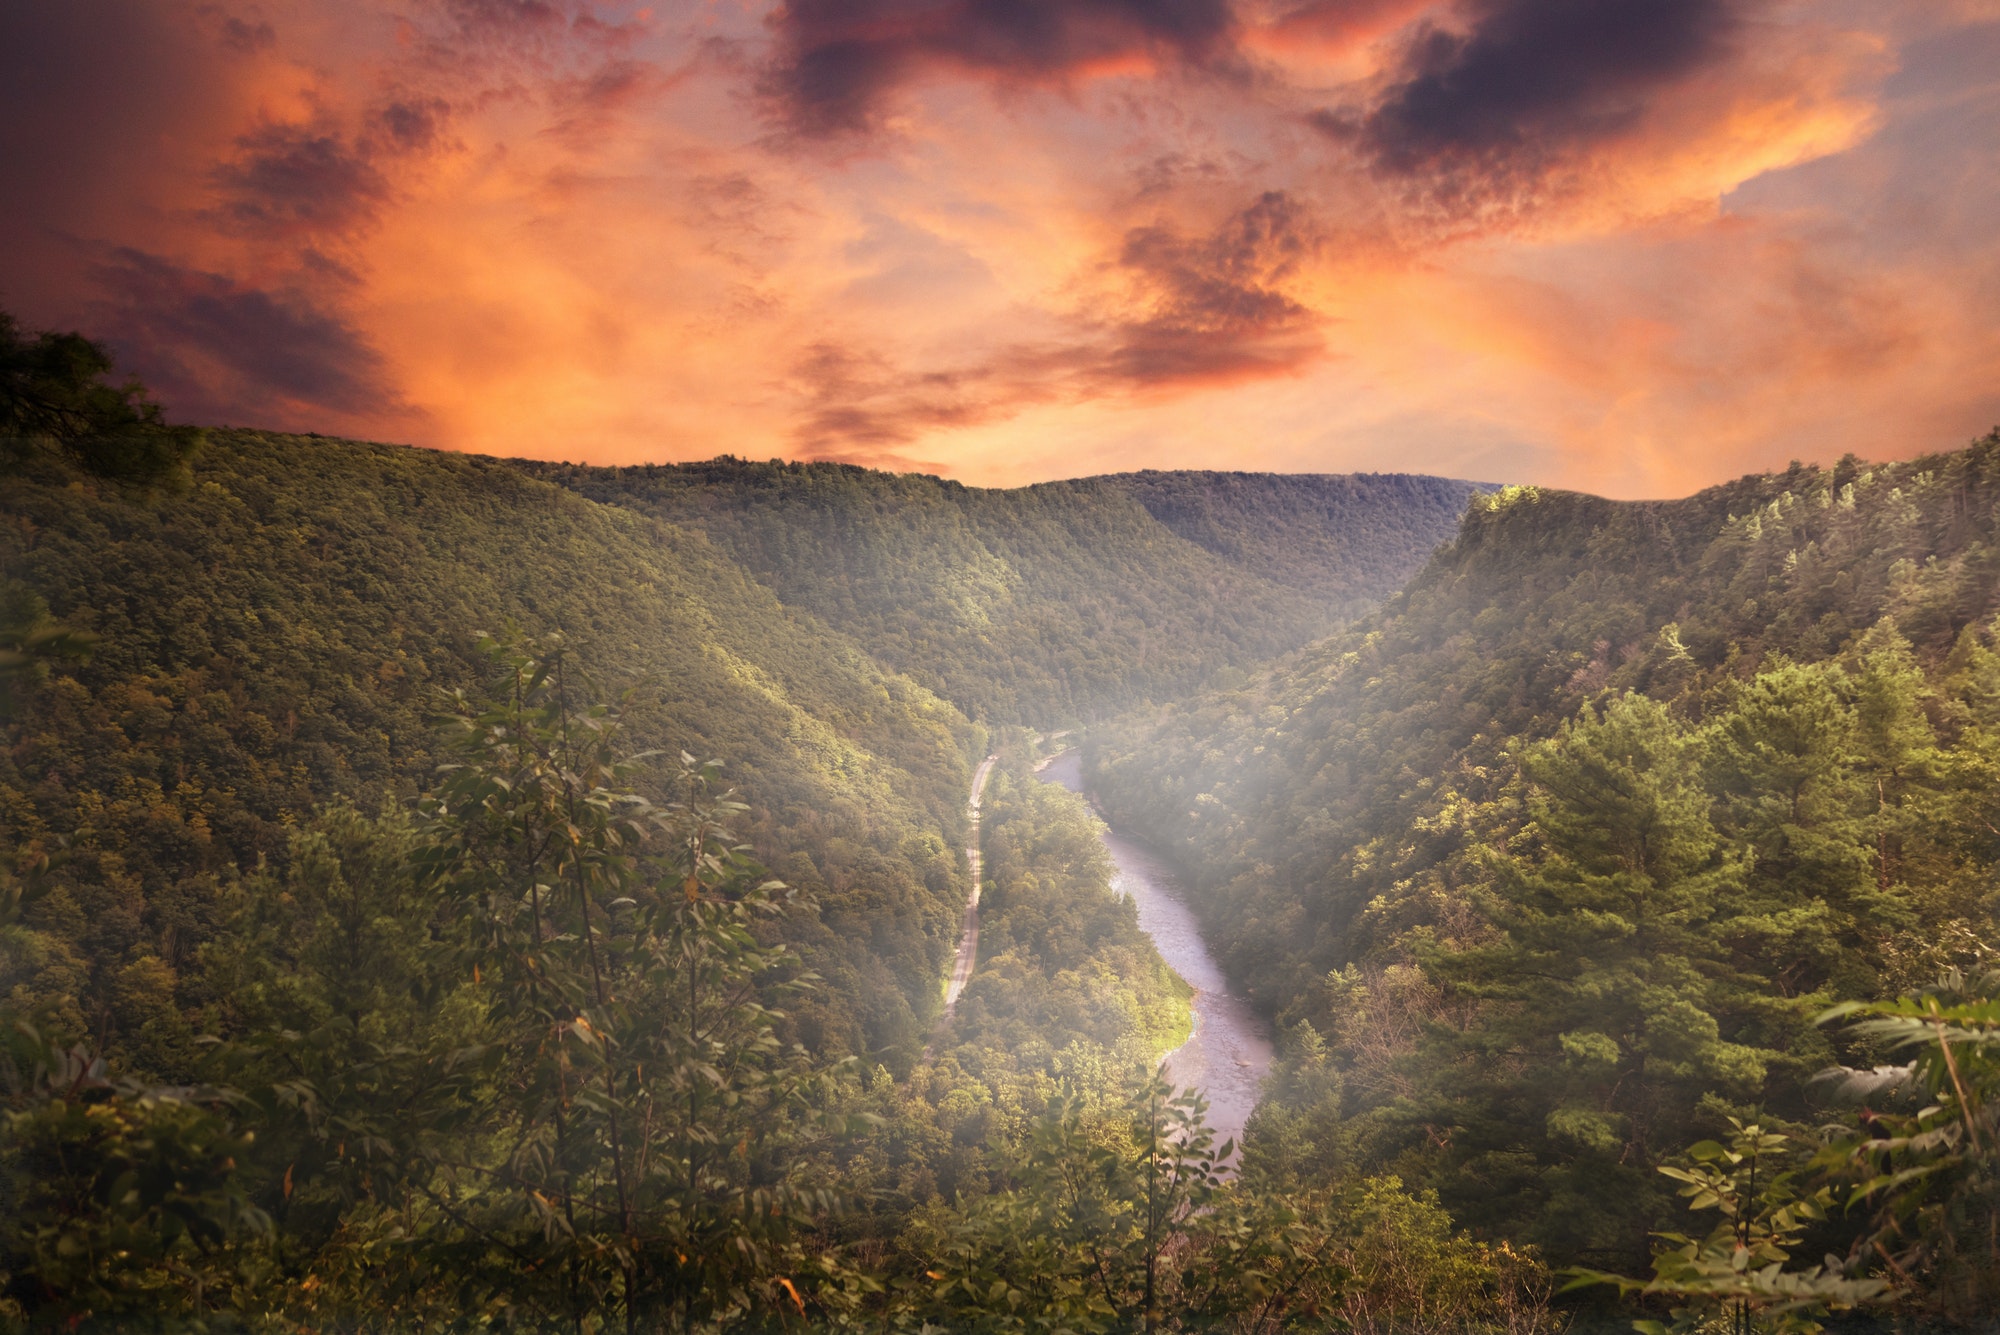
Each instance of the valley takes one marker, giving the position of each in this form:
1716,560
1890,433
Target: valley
1000,667
1472,884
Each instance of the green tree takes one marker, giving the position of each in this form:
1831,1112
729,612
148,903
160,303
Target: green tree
122,1205
1085,1239
366,1056
53,386
30,640
1922,1161
519,1060
652,1117
1813,785
1610,975
1734,1278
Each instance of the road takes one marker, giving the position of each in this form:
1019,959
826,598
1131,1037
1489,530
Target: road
968,937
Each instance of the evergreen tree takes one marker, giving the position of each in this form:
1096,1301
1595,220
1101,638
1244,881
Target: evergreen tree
54,386
1611,972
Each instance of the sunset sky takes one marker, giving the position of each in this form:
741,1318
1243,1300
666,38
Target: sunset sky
1630,246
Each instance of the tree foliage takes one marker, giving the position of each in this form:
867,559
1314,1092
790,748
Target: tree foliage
53,386
1063,600
1548,868
1564,875
274,639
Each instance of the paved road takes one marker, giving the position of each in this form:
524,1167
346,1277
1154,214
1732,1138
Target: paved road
968,938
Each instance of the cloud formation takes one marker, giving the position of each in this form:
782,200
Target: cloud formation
1215,307
1634,245
1524,80
839,59
289,180
230,353
1188,312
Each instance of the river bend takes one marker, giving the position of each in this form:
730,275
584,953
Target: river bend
1229,1052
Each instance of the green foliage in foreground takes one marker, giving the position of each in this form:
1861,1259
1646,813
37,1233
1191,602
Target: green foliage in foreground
1737,1273
1923,1158
515,1060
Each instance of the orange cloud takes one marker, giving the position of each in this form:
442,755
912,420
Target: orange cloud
1046,239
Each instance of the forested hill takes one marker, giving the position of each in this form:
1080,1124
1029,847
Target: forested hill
1558,855
352,963
1062,600
277,634
1350,539
281,634
373,949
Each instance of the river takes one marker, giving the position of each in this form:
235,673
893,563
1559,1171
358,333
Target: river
1229,1051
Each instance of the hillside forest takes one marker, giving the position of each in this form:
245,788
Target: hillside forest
446,893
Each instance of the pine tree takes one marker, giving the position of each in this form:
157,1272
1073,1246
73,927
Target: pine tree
1610,972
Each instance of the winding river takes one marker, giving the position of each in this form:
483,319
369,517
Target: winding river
1229,1051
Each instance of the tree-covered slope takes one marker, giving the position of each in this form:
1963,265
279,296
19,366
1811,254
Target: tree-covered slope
1062,600
1557,857
278,635
1349,539
1551,868
1308,783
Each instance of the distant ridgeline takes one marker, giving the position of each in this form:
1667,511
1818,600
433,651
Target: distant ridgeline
278,632
1554,860
1063,600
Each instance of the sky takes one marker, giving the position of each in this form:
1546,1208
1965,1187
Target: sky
1633,247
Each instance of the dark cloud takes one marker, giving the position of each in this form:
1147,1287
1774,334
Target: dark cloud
289,180
247,36
1527,82
1216,308
413,125
858,400
1168,172
615,84
585,109
508,15
529,24
841,57
215,350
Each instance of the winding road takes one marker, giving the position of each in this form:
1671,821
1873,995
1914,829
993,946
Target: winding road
968,937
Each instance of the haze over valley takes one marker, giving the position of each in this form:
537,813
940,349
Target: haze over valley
369,856
1102,667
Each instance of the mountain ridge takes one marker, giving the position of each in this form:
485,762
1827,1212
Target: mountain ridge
1059,600
1756,727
